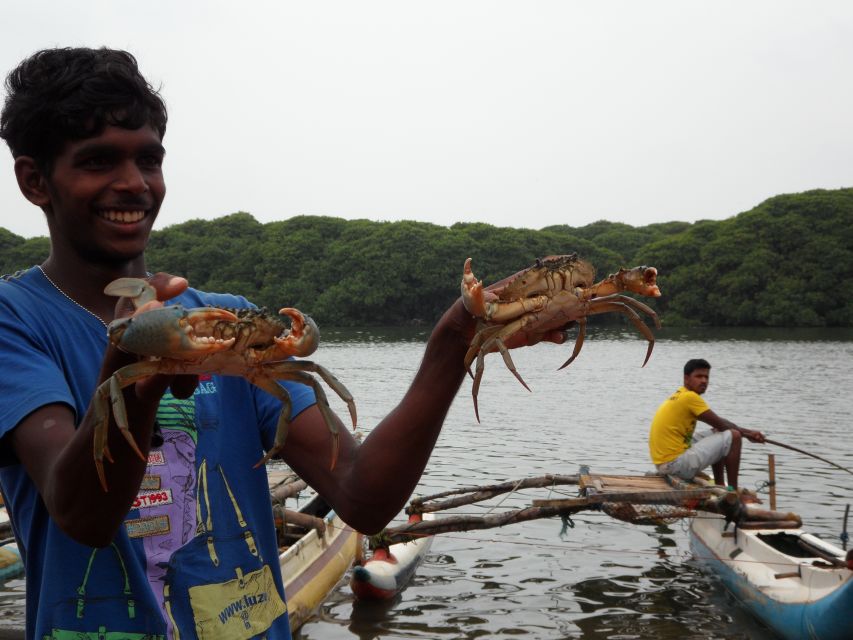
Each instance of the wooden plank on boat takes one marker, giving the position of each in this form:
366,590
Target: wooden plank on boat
624,484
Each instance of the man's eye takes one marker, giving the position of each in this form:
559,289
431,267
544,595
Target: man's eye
96,162
150,161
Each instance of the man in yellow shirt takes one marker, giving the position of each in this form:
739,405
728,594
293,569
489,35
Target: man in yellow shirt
675,448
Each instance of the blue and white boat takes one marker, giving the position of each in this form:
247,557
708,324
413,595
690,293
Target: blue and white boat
797,584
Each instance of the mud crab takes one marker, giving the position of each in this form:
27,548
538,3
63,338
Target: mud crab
550,295
251,343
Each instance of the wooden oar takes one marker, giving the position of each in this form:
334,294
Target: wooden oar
806,453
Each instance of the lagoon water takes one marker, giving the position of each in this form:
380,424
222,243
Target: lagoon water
601,578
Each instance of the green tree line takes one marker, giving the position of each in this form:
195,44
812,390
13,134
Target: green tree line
787,262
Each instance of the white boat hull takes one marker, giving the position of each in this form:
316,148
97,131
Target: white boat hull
387,573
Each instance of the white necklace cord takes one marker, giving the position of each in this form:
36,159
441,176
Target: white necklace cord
56,286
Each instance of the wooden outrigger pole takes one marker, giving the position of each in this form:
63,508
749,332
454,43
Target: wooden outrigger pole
629,498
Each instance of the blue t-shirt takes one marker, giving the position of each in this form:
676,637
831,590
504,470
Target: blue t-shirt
227,562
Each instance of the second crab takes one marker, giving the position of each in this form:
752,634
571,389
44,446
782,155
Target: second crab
552,294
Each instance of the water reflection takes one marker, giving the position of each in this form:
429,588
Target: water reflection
668,600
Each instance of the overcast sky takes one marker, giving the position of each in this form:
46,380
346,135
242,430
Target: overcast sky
522,114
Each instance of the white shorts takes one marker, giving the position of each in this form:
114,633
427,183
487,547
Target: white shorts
708,447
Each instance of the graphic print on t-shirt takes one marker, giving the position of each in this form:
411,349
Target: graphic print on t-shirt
165,507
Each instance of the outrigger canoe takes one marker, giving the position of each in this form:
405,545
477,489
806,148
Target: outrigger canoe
388,571
797,584
319,550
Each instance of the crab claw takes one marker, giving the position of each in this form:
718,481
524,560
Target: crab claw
472,292
642,280
138,290
173,332
303,338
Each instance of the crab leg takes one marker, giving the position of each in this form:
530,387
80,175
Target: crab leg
283,425
621,307
632,302
494,341
578,343
477,343
503,311
298,371
594,305
490,345
101,420
110,393
281,369
302,377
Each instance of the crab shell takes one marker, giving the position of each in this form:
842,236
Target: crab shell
549,275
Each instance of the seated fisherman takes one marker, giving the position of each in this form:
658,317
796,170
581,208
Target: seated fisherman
674,446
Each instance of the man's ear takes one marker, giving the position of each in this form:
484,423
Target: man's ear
31,181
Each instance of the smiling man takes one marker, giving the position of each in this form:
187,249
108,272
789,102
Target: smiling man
677,449
183,542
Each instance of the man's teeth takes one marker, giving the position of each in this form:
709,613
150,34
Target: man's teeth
123,216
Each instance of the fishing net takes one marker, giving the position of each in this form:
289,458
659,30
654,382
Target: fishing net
652,514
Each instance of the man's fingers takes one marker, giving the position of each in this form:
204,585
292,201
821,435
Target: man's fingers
557,337
167,285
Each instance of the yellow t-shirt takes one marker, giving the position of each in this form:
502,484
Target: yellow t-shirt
673,425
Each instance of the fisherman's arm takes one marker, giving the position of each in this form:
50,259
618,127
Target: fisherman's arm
720,423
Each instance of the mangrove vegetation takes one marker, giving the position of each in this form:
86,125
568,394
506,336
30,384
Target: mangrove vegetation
788,262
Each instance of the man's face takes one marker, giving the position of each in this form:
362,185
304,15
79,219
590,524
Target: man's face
697,381
105,192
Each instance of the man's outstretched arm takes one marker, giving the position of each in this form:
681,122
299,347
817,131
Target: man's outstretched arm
372,481
721,424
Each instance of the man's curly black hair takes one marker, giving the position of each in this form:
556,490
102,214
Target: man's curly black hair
698,363
60,95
